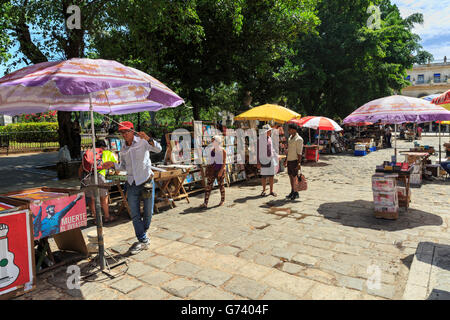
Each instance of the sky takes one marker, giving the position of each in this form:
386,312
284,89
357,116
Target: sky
435,31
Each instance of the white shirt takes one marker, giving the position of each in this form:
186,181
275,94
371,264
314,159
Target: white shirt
295,147
135,159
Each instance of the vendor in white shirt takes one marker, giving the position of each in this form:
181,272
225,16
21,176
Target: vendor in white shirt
135,160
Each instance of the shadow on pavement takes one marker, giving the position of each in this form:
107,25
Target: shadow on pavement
360,214
248,198
315,164
436,253
437,294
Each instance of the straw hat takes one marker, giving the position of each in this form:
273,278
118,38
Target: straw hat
266,128
218,139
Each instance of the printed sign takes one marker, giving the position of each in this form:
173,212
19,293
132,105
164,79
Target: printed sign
16,255
57,215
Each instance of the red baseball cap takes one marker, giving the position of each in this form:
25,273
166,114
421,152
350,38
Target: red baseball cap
125,125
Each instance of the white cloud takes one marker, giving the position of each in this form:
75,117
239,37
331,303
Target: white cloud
435,31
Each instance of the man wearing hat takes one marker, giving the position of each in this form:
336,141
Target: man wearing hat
135,159
294,158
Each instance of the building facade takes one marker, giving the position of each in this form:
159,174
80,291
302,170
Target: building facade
427,79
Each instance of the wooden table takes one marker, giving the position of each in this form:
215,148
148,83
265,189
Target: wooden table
117,180
173,178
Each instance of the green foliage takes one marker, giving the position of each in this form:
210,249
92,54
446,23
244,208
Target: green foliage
198,47
348,64
32,132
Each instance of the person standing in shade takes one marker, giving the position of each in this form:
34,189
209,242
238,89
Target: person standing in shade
269,169
293,159
87,179
135,159
215,170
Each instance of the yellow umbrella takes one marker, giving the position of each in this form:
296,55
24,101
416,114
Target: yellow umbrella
268,112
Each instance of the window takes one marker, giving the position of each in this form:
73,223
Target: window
420,78
437,77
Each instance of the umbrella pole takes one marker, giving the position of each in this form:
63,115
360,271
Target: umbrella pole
98,215
395,137
439,142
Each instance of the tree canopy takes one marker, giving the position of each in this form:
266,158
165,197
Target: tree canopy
316,57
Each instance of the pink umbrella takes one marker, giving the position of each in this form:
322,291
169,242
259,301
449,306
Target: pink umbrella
77,84
102,86
398,109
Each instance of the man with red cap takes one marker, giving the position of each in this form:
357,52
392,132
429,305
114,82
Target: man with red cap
135,159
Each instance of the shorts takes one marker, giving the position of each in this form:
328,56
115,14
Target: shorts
292,168
90,181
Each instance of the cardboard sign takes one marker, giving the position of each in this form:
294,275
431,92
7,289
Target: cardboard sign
56,215
16,253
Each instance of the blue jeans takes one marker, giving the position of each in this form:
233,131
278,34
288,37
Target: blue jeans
140,224
446,166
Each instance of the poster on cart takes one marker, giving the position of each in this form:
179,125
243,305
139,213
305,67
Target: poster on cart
16,252
56,215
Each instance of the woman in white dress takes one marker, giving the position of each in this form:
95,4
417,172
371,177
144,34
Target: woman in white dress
268,170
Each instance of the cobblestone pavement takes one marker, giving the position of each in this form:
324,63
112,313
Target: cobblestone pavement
327,245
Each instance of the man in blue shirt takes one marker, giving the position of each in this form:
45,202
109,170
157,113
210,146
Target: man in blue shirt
135,159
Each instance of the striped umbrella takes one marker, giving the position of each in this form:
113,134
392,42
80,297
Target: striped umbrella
317,123
443,100
398,109
76,84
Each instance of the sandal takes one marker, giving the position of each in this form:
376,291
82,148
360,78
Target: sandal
203,206
263,194
111,219
273,194
221,203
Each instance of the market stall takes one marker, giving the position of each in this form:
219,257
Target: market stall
278,116
326,143
108,87
395,110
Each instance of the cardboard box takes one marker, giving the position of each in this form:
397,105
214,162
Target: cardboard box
380,183
385,199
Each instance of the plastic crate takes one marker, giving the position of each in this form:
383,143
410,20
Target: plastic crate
360,153
372,149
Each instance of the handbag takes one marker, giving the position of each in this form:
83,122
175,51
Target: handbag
301,184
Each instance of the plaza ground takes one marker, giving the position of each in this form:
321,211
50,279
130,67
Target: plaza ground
325,245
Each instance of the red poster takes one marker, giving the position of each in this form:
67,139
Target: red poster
16,265
53,216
